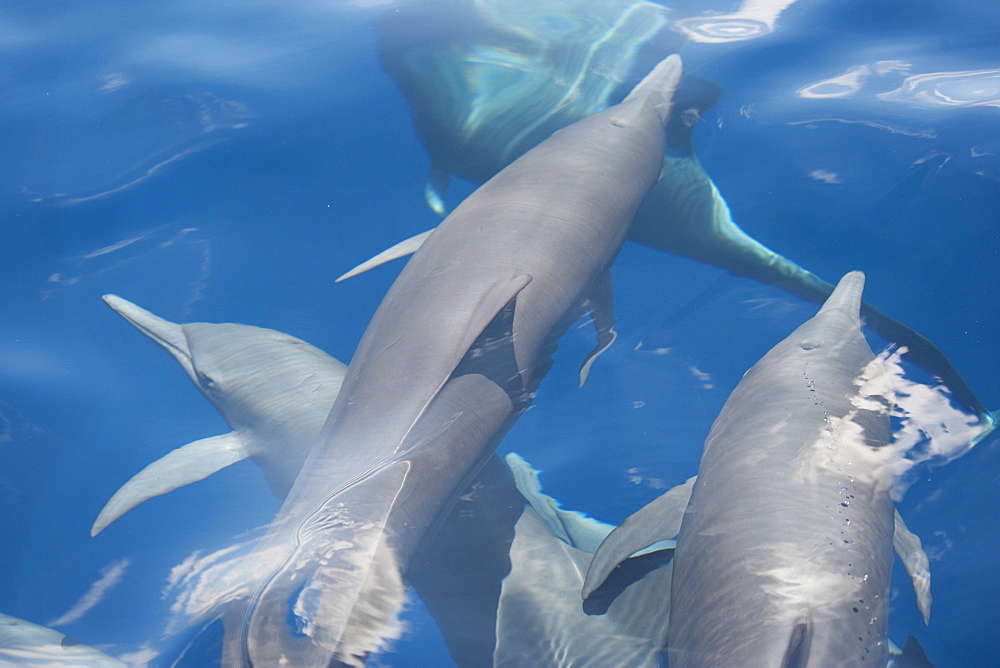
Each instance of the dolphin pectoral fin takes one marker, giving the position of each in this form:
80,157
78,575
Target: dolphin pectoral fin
180,467
601,306
336,586
988,420
799,642
402,249
658,520
911,553
437,182
911,656
573,527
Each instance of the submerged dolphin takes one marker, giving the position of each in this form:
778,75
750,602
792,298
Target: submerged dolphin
785,549
450,359
541,619
488,85
271,388
25,644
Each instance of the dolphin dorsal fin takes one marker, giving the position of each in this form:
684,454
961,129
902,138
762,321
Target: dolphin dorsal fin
187,464
657,521
402,249
575,528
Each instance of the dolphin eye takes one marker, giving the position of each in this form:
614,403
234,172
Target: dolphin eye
204,379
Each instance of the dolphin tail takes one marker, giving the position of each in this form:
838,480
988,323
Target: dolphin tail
187,464
342,556
659,85
317,587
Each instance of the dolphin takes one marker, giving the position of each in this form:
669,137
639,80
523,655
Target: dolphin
25,644
448,362
499,77
465,569
541,619
785,548
540,606
273,390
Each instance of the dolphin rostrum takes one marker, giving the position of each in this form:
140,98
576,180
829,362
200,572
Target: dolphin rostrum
486,87
785,549
270,387
450,359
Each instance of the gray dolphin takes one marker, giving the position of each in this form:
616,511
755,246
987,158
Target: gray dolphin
25,644
785,549
450,359
540,611
273,390
498,77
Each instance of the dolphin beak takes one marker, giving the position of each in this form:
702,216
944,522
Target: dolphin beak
168,335
847,294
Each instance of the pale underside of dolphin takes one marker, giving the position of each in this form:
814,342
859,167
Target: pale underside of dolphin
502,76
450,359
25,644
273,390
785,549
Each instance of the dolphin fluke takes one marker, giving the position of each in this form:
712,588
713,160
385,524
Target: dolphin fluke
180,467
313,590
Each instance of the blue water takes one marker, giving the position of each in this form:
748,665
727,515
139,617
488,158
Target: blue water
225,162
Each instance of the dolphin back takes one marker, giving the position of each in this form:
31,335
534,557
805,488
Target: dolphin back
785,550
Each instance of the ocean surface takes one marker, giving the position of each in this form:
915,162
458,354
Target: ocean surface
225,162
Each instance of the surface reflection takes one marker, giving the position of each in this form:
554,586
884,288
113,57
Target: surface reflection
972,88
752,19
